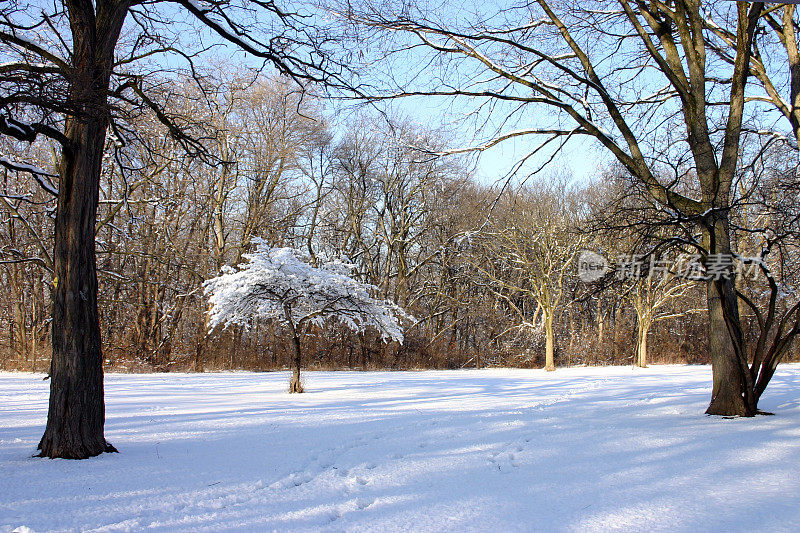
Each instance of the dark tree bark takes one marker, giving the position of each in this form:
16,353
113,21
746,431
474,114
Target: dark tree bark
295,386
74,85
76,414
727,393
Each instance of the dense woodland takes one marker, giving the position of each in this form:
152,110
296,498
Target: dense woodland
484,265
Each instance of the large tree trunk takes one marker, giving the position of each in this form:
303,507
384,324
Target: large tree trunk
728,389
727,394
77,411
76,414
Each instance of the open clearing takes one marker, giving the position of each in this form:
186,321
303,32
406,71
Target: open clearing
491,450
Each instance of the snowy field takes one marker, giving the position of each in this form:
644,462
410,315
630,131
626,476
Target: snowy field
493,450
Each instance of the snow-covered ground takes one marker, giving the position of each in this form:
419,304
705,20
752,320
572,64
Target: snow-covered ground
585,449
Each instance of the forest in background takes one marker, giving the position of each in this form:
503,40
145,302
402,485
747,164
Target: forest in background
487,267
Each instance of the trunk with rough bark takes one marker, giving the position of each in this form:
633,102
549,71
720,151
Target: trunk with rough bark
77,411
76,414
728,388
729,382
732,391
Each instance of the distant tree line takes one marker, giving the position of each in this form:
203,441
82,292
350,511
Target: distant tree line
489,270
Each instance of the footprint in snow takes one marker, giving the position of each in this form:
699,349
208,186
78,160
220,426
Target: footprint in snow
503,461
363,503
293,480
334,515
356,480
299,480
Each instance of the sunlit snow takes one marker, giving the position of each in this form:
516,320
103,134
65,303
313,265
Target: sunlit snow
489,450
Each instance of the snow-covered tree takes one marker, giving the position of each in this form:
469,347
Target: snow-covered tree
280,284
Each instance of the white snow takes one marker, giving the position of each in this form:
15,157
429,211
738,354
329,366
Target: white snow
582,449
281,284
39,175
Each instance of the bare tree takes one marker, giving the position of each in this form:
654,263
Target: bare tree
68,76
533,249
582,63
653,296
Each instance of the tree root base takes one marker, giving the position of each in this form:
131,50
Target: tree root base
295,387
75,454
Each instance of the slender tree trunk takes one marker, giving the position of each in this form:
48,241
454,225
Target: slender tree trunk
34,340
218,226
641,345
549,345
617,331
350,355
76,414
19,336
364,350
295,385
600,322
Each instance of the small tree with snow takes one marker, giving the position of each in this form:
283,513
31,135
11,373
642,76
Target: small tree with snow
280,284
